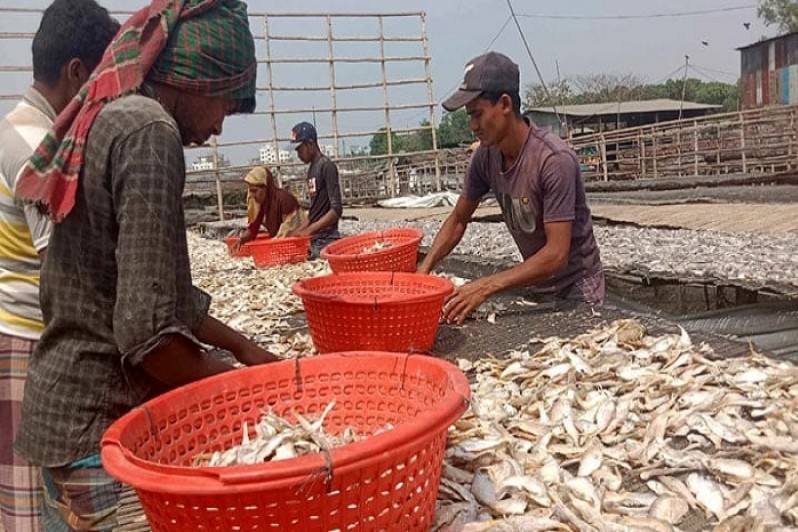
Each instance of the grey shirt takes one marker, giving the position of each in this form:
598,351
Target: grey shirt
543,185
115,281
324,192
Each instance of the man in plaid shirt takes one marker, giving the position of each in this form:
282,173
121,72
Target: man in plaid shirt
123,320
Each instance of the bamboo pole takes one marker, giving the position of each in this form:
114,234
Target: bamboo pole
695,148
333,96
431,97
219,194
270,85
386,59
388,130
352,86
603,153
742,143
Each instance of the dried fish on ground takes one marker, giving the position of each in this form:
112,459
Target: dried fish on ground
619,430
251,300
747,258
287,346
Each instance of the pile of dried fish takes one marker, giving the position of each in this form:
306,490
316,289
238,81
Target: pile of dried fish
278,439
617,430
287,346
747,258
251,300
377,246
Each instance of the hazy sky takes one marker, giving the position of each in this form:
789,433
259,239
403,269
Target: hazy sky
651,48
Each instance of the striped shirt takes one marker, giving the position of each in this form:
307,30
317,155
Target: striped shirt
24,231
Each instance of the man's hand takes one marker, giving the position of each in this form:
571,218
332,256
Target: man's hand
250,354
237,245
304,231
465,300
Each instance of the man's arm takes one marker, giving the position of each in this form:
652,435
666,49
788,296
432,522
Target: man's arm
149,328
324,222
39,225
216,333
551,258
450,234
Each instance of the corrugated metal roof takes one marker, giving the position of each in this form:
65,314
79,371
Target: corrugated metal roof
612,108
757,43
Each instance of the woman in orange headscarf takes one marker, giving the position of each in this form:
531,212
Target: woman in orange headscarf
269,206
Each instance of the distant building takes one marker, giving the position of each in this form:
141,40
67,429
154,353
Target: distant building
597,117
769,72
203,162
268,156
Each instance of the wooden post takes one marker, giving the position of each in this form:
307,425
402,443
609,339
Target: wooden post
791,139
431,97
388,130
270,88
641,144
742,143
333,97
654,150
695,148
603,154
720,148
219,194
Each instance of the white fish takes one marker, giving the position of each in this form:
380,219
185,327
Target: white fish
708,494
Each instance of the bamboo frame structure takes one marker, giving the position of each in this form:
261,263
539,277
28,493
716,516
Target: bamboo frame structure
356,181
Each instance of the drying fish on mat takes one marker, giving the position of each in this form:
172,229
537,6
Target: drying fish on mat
251,300
279,439
619,430
378,246
286,346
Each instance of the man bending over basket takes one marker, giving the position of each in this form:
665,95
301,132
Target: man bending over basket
535,177
123,321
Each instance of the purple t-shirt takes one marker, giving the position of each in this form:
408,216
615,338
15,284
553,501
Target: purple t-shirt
543,185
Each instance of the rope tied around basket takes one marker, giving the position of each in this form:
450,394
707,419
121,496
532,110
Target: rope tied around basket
324,446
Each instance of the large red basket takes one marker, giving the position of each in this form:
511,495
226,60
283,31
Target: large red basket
243,251
386,482
278,251
347,254
383,311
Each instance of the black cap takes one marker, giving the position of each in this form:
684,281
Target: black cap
490,72
303,132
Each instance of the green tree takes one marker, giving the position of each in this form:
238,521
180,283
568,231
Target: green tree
559,93
419,140
781,13
455,129
379,143
717,93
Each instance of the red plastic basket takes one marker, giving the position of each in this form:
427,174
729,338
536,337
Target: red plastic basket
278,251
386,482
243,251
383,311
347,254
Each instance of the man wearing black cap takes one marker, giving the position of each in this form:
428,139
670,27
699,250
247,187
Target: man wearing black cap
536,179
323,189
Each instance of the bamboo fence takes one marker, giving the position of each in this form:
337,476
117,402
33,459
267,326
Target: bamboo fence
755,141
